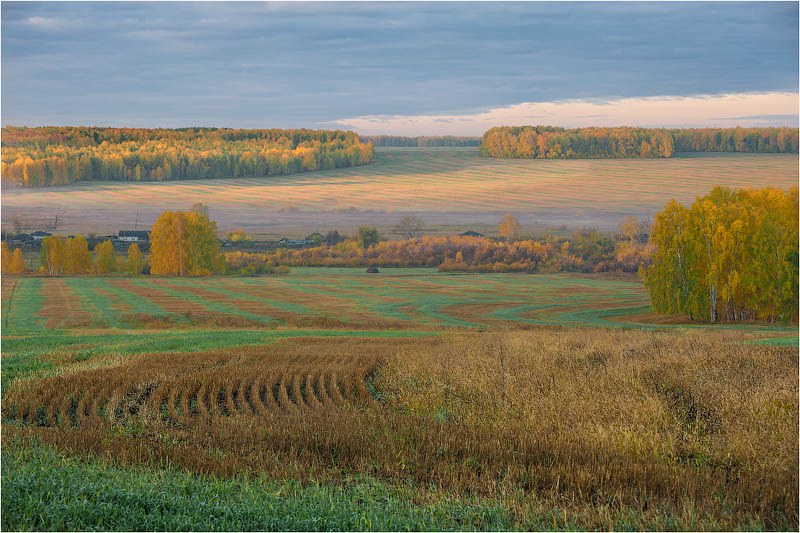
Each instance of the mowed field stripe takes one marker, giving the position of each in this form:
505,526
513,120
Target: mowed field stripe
456,180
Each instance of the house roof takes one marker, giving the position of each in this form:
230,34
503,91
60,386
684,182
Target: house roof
471,233
133,233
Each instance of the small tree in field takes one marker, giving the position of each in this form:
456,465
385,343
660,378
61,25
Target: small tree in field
7,257
183,244
52,255
78,259
135,263
509,228
18,262
106,260
368,236
410,226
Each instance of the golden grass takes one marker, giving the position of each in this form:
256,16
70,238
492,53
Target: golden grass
698,425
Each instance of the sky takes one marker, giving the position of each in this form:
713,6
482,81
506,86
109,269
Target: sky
399,68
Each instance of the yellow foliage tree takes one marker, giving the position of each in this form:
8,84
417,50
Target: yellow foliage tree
135,263
509,228
106,260
52,255
183,244
18,262
732,256
5,268
78,259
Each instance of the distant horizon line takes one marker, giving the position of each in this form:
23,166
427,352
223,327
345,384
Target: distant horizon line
361,134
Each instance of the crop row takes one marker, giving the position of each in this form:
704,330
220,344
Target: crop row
184,389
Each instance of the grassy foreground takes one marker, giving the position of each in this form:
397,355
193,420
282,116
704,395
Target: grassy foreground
40,492
576,428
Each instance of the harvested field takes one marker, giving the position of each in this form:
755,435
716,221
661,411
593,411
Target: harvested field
346,298
183,390
693,429
445,186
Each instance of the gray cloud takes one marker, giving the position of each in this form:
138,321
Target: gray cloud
307,64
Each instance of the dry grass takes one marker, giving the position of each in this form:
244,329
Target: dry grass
695,426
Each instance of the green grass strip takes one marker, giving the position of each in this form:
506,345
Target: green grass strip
46,490
27,301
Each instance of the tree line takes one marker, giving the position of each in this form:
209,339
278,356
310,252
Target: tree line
39,157
422,142
586,250
67,257
548,142
185,244
731,256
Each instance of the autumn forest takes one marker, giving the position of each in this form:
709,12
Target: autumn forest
39,157
547,142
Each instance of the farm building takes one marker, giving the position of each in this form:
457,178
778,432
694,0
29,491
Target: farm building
22,237
134,236
471,233
39,235
295,242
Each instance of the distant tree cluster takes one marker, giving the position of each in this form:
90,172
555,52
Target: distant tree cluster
422,142
731,256
585,251
38,157
547,142
12,263
70,257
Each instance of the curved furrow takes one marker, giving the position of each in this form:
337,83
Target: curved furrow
84,410
242,407
333,389
95,408
321,387
231,388
312,398
190,402
248,390
215,393
101,411
257,394
67,408
153,406
52,410
283,395
272,393
172,399
297,391
202,398
114,406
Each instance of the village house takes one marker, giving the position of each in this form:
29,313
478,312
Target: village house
133,236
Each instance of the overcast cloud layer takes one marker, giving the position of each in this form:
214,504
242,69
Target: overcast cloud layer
325,65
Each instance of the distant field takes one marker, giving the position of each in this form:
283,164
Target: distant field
334,297
446,186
